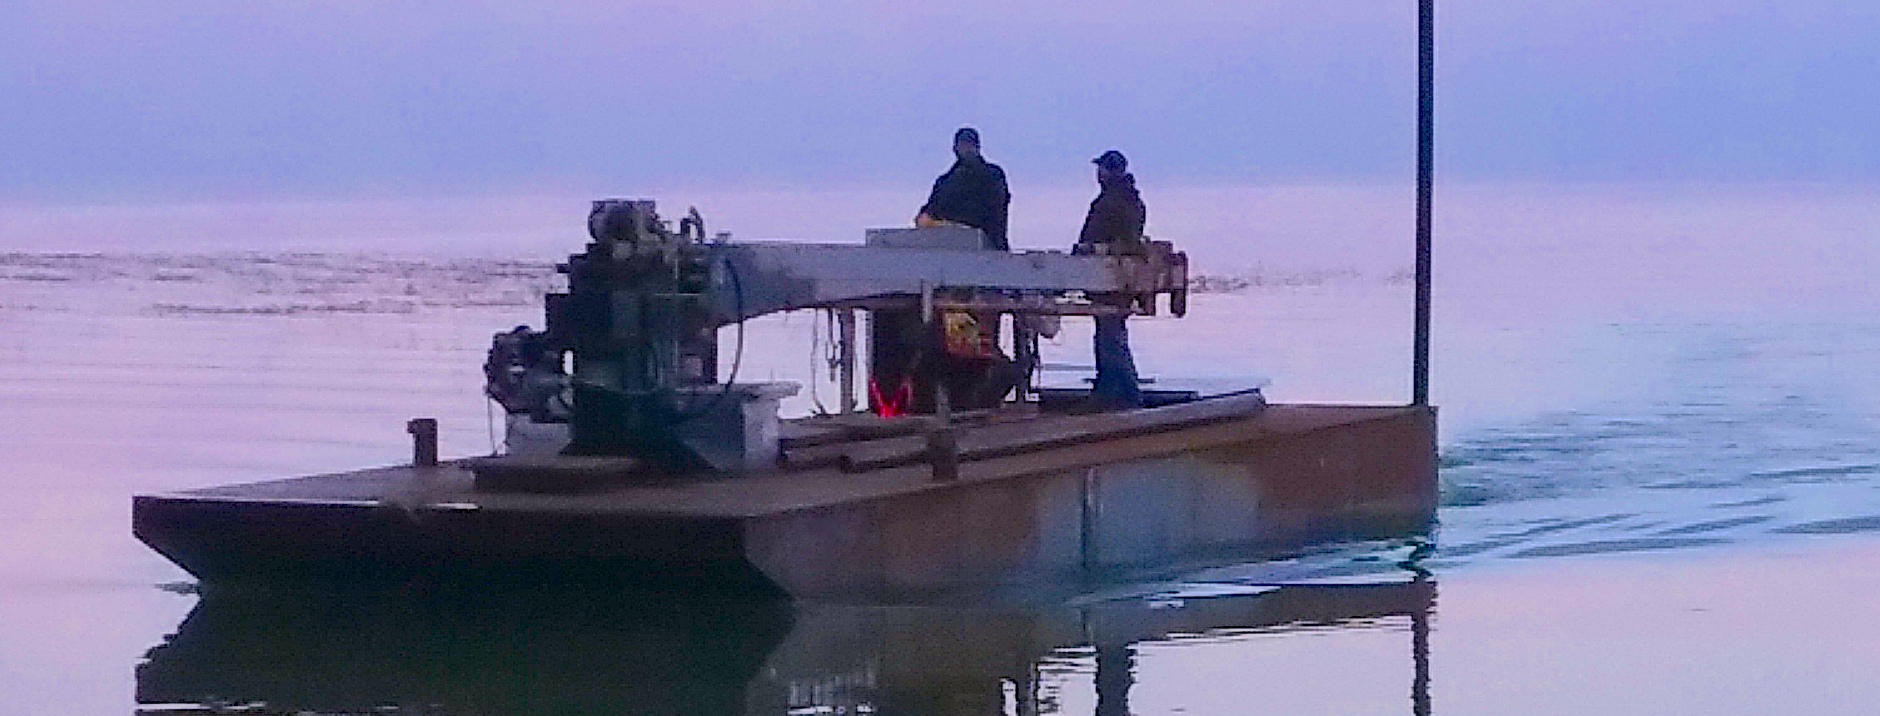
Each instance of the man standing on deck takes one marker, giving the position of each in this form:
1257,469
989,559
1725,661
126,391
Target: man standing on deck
972,192
903,363
1114,226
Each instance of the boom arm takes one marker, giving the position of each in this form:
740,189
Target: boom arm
753,279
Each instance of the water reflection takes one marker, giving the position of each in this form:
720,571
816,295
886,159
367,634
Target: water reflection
533,654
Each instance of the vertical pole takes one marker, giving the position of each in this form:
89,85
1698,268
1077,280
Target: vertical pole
1426,160
845,324
942,449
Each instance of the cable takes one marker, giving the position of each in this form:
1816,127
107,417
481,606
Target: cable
737,292
832,346
832,353
737,357
824,345
815,352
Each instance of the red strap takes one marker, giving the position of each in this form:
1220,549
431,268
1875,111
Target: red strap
883,406
895,405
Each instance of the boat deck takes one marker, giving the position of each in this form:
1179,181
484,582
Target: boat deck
852,508
450,486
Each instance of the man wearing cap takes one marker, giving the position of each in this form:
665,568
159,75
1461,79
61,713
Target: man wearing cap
903,365
972,192
1114,226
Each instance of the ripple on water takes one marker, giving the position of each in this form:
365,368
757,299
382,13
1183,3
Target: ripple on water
1753,502
1807,475
1561,525
1716,525
1849,525
1610,546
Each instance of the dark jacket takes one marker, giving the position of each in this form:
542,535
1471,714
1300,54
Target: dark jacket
1116,216
973,193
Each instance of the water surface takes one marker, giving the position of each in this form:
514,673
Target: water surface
1660,468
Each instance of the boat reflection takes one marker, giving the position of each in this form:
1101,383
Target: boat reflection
531,654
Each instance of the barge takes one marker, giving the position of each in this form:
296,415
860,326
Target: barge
655,470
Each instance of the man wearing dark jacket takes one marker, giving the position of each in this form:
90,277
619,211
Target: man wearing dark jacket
972,192
903,362
1114,226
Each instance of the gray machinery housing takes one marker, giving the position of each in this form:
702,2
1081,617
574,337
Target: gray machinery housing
644,303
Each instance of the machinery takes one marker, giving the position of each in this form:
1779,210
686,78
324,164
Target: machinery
645,302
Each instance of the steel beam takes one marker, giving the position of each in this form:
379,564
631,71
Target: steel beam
776,276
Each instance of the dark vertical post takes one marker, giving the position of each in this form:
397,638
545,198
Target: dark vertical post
943,450
423,441
1426,160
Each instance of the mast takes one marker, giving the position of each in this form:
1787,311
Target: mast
1426,159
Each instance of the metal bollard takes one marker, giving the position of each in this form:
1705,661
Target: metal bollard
943,452
423,441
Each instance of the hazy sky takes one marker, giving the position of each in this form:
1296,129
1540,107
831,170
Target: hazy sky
195,98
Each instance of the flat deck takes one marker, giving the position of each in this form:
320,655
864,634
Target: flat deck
1039,499
449,486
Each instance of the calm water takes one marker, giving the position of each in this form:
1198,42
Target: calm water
1661,466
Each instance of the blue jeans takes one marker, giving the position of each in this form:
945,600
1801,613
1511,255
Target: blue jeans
1116,368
